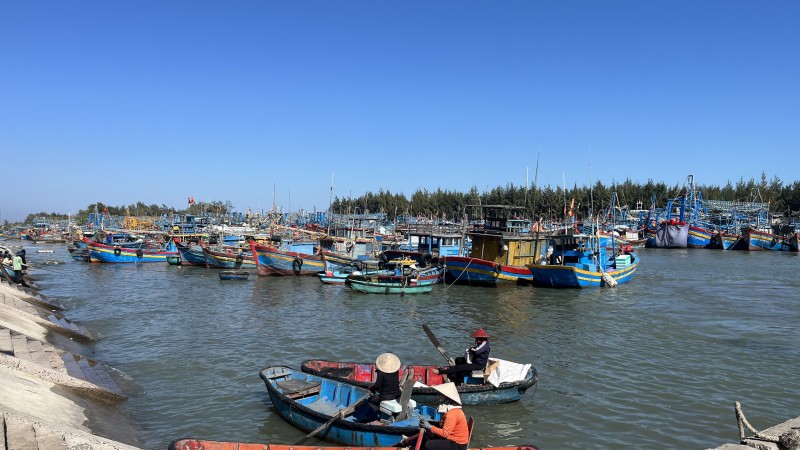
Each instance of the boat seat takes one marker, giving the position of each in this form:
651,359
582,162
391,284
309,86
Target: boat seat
295,388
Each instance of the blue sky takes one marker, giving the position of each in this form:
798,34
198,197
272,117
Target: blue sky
121,102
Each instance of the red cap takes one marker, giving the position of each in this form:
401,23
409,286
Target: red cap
479,333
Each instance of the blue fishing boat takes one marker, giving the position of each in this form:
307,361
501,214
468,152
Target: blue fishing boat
698,236
273,261
512,380
115,254
191,254
310,401
576,261
756,240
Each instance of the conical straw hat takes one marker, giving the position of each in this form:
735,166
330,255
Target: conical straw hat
448,390
388,363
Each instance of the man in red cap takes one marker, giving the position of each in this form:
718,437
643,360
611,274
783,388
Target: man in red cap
475,358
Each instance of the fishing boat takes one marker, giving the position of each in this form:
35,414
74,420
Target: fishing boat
509,383
198,444
757,240
698,236
576,261
502,244
310,401
274,261
726,241
377,287
174,260
234,275
115,254
191,254
228,258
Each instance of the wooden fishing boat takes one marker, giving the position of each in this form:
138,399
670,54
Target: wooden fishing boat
273,261
378,287
115,254
228,259
198,444
502,244
726,241
309,401
576,261
190,254
398,272
234,275
473,391
756,240
698,237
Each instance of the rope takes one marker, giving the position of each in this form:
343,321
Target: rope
789,440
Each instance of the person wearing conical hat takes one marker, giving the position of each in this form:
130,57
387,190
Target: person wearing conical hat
454,432
387,380
475,358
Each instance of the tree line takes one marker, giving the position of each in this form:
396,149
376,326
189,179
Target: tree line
584,201
545,202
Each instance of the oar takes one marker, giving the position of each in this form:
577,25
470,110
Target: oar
436,344
340,414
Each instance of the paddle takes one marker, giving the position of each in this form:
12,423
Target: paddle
436,344
340,414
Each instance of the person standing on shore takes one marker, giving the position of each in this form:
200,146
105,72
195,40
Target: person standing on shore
19,265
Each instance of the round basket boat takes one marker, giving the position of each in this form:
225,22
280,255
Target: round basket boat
174,260
234,275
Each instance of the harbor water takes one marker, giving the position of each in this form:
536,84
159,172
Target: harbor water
655,363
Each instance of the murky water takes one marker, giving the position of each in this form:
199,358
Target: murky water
656,363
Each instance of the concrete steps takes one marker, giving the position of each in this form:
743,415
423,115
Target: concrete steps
46,318
59,366
19,432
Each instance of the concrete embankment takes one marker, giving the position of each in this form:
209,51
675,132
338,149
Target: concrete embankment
52,394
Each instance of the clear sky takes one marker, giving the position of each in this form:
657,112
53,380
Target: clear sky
155,101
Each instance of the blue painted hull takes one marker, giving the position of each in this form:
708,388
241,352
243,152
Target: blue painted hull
759,240
191,256
108,254
271,261
480,272
311,411
698,237
572,277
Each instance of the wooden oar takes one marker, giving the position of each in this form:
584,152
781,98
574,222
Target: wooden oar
438,346
340,414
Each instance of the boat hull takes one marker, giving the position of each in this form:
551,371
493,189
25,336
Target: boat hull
108,254
572,277
225,260
372,287
756,240
698,237
190,256
271,261
480,272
